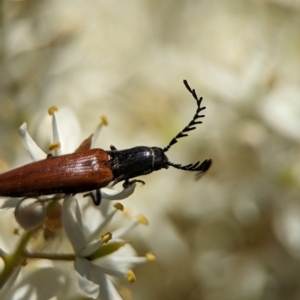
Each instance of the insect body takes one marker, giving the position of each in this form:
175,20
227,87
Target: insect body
92,169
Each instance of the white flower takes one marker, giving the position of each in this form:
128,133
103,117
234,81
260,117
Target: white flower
99,255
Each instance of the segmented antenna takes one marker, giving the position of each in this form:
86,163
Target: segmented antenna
199,167
203,167
191,125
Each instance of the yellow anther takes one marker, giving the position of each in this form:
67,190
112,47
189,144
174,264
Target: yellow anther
150,256
106,237
104,120
54,146
130,276
119,206
52,110
142,219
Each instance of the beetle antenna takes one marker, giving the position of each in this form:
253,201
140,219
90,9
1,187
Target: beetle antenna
200,167
189,127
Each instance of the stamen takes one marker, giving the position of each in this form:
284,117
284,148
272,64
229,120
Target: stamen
54,146
106,237
142,219
103,122
150,256
52,110
99,230
131,276
119,206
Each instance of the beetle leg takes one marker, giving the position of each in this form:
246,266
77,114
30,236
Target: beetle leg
112,147
96,199
127,183
49,155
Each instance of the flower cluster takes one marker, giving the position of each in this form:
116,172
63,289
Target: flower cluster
97,252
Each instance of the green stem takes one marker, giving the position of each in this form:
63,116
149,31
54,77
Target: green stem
50,256
15,259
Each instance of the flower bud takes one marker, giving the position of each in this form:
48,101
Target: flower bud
30,213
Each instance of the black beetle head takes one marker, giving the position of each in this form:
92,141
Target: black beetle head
160,159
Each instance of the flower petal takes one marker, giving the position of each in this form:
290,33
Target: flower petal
8,286
114,264
110,194
72,223
83,267
90,248
34,150
107,289
69,130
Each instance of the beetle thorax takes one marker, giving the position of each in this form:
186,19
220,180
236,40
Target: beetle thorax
137,161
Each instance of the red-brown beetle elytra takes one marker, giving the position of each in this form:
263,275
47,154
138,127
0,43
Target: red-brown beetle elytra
92,169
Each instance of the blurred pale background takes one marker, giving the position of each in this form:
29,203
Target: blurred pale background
235,234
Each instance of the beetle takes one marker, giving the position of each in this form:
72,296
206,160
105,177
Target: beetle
88,169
